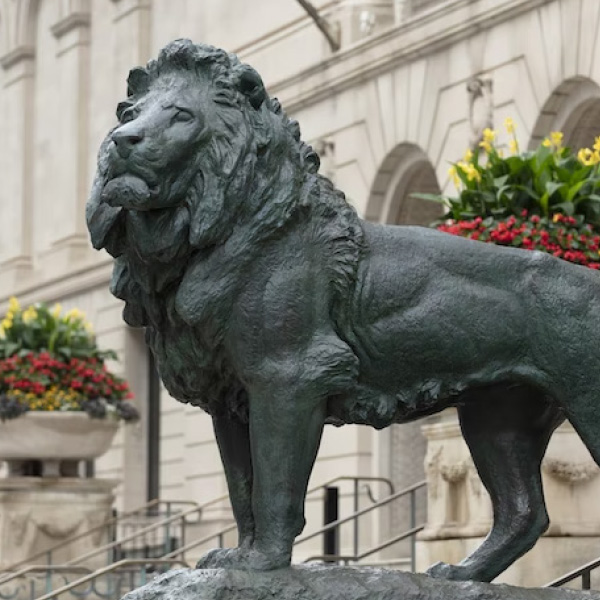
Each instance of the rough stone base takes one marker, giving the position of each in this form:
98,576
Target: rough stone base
549,559
332,583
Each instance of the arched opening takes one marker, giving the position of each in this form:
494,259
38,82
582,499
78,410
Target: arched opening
574,109
406,171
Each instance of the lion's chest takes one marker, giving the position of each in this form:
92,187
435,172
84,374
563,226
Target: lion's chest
191,370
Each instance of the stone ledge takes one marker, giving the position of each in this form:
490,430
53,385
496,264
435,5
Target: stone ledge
332,583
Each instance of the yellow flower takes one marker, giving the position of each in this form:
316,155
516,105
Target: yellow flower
6,324
29,315
513,146
509,124
586,156
486,146
556,137
468,156
597,143
454,176
75,315
472,173
547,143
13,305
56,310
556,217
489,135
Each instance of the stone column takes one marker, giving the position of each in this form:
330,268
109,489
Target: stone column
72,33
19,66
132,24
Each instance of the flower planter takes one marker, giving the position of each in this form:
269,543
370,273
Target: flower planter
52,437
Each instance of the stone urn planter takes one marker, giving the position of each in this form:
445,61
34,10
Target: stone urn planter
54,437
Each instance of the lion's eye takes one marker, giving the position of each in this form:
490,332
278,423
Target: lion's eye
183,116
128,115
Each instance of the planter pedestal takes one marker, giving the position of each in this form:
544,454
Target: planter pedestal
58,440
38,513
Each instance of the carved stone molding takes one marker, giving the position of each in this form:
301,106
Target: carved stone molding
69,23
453,473
126,7
570,472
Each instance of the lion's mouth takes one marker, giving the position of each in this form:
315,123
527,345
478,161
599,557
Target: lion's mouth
130,192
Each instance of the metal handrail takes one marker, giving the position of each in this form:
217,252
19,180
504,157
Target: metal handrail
111,522
117,543
360,513
217,534
40,568
109,569
347,559
221,533
180,551
584,572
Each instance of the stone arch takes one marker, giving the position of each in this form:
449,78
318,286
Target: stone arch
573,108
406,170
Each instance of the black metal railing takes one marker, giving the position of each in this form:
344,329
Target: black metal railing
357,555
584,572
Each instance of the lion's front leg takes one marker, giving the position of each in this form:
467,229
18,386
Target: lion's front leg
233,439
285,433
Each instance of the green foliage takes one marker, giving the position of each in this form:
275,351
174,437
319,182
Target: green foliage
550,180
41,329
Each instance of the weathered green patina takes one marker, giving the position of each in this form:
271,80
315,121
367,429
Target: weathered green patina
271,305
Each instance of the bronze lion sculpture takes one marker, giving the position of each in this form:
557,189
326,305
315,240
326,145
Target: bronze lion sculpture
272,306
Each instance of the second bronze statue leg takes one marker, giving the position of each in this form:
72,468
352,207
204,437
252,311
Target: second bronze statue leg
233,438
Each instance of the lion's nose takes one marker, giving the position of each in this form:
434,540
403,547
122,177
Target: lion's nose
125,140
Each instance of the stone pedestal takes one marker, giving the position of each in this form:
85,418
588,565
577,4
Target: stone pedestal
460,513
331,583
39,513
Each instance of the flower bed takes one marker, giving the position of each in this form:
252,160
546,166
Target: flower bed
50,362
546,200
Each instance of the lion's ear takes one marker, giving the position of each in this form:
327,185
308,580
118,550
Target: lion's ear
252,86
138,81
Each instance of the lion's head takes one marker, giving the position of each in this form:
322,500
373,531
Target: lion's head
198,142
203,158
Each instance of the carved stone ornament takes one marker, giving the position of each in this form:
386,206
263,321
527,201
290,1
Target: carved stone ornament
271,305
570,472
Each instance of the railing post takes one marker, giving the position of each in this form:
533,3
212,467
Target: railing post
355,544
413,524
330,514
586,580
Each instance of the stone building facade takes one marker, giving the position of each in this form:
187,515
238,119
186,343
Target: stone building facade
388,110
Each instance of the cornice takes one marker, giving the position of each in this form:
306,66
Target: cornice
77,281
69,23
426,34
17,55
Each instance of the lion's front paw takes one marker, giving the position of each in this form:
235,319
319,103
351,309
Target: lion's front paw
216,558
245,559
441,570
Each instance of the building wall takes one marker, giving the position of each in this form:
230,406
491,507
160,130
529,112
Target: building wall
390,108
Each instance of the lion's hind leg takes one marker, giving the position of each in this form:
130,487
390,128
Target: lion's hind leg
507,430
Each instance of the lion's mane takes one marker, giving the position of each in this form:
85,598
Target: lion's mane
257,177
